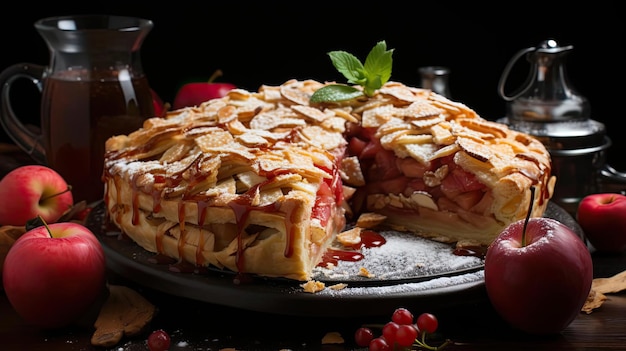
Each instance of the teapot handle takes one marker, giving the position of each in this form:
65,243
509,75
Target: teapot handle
611,174
23,137
505,75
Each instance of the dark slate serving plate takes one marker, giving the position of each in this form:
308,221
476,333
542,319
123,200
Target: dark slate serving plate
406,271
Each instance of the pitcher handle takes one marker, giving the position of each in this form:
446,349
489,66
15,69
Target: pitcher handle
26,139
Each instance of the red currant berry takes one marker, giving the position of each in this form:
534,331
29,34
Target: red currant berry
405,335
389,332
427,322
363,336
159,340
402,316
379,344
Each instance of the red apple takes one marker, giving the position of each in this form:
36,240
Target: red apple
53,274
31,191
193,94
603,219
538,277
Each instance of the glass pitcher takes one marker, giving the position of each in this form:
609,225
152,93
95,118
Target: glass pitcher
93,88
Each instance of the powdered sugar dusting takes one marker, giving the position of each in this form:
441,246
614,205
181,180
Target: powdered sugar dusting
132,168
387,290
403,256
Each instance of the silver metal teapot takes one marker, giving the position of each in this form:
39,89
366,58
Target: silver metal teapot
548,107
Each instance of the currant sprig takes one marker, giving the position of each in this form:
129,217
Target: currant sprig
401,333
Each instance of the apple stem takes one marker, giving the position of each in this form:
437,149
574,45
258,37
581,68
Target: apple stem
69,188
530,210
45,225
218,73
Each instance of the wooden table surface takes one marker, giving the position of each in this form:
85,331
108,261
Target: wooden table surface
200,326
195,325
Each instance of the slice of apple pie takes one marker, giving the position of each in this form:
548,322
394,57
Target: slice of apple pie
262,182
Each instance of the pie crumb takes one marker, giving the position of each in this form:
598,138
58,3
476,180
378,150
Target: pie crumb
313,286
350,237
339,286
370,220
363,272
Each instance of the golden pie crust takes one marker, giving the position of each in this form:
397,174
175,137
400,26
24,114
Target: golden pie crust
263,182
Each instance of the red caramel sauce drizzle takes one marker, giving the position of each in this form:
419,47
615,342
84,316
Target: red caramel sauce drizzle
242,206
369,238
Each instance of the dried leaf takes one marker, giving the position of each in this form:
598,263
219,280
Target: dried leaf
594,300
602,286
125,313
612,284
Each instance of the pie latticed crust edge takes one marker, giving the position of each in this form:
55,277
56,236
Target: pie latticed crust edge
263,182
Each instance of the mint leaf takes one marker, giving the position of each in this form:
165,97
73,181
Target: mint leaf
378,67
335,93
348,65
371,76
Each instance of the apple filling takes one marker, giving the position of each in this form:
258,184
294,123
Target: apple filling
445,197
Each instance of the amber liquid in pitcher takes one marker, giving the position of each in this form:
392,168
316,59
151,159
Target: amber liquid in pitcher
80,113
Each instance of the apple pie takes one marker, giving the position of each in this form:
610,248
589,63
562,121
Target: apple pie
263,182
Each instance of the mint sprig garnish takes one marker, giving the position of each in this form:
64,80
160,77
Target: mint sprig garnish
370,76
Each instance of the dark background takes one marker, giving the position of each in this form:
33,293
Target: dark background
269,42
